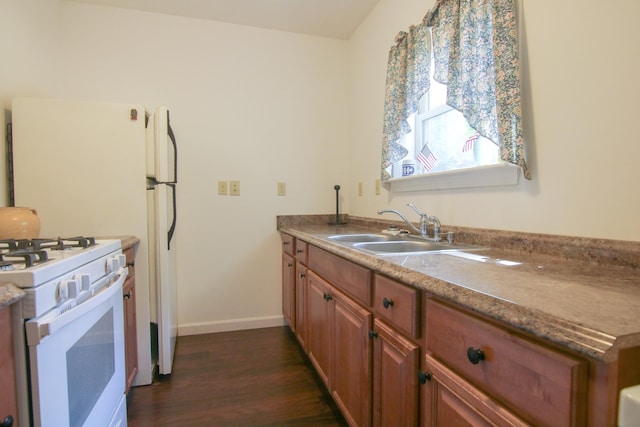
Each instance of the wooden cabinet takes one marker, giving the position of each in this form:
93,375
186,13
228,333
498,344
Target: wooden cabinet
294,258
392,355
8,403
301,304
395,386
452,401
398,304
541,385
340,349
289,290
349,277
319,316
130,323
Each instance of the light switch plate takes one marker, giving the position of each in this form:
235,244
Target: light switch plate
360,192
222,188
282,189
377,187
234,188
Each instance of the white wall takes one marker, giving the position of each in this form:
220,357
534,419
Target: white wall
29,30
580,102
254,105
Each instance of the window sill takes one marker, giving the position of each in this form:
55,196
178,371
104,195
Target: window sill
483,176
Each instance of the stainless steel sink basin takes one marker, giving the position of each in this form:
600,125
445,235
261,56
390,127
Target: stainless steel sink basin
356,238
411,246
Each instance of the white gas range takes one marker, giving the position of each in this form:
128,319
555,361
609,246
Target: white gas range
70,354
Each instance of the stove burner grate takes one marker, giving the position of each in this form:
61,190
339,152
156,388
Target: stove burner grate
61,244
28,256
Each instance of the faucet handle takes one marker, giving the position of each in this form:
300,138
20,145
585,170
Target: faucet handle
416,210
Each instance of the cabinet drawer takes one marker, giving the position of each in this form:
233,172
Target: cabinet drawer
345,275
288,244
398,304
544,386
301,251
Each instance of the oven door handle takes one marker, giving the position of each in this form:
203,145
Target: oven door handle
50,323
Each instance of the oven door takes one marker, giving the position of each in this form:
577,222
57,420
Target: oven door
77,361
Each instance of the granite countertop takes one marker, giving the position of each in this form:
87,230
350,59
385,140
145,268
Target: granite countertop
573,299
127,241
9,294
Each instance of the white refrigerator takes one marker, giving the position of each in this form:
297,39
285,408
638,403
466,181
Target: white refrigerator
98,169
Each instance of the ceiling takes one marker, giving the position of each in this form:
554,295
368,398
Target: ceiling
326,18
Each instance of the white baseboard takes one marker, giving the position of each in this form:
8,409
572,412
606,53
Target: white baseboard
230,325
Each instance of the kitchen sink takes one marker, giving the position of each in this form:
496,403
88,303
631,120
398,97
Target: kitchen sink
362,238
412,246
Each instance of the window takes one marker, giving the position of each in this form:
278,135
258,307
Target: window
451,142
471,46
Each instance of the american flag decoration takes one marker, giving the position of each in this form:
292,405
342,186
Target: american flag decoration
468,144
426,158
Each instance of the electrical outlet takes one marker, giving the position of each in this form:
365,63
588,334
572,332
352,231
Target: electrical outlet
282,189
377,187
360,191
222,188
234,188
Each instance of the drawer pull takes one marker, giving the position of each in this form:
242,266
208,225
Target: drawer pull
423,377
475,355
386,302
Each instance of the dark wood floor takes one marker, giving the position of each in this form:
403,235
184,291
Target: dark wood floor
245,378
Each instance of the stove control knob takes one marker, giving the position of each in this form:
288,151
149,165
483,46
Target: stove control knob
63,290
115,263
84,280
68,289
73,286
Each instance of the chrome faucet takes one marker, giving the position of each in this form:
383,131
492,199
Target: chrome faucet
425,219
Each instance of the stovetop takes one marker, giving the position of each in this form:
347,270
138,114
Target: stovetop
28,263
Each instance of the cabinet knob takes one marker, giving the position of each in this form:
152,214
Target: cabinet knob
285,243
299,251
475,355
327,296
302,275
131,264
290,265
423,377
386,302
7,422
126,296
373,334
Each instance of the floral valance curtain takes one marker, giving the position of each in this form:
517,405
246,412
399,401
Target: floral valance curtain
475,50
407,82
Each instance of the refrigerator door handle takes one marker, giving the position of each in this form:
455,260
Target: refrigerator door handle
172,229
172,137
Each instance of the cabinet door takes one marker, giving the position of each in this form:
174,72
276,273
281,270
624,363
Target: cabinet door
449,400
288,290
319,325
131,336
352,350
8,403
542,385
301,304
396,385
